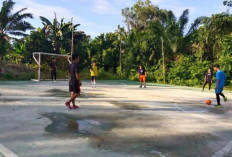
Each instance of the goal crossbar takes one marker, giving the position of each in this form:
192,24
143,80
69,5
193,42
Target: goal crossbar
38,61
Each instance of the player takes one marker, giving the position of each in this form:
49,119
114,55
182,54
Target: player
142,75
74,81
94,74
208,79
220,83
53,66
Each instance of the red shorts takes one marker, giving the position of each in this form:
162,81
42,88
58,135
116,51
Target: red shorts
142,78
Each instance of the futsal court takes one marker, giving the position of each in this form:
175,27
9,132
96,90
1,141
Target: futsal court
116,119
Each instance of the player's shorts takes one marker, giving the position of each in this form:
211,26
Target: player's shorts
75,88
93,78
53,72
218,91
142,78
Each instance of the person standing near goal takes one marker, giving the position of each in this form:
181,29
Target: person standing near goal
94,74
53,66
220,83
208,79
142,75
74,82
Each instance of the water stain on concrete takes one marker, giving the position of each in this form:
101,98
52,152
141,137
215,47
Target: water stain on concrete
6,100
65,94
127,106
69,125
57,93
100,129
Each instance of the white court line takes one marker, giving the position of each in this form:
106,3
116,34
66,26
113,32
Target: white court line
6,151
224,151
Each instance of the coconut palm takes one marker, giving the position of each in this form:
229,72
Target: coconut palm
12,24
174,31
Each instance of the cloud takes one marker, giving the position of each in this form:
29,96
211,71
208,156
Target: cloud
110,6
123,3
48,11
103,6
175,5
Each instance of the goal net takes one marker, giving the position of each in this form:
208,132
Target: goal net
43,61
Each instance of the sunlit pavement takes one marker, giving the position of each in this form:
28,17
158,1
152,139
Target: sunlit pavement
115,119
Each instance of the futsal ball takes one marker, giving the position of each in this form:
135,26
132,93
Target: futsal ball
208,102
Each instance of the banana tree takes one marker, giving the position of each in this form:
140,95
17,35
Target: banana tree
60,32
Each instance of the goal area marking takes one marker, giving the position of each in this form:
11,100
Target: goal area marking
38,61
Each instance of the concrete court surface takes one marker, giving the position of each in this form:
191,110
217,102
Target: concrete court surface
117,119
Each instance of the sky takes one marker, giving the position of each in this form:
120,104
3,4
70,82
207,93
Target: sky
102,16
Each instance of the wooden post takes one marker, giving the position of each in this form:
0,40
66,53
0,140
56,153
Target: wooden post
72,45
162,41
120,57
39,67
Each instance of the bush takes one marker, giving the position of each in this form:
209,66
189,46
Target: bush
187,71
7,76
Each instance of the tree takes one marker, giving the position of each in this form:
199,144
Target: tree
228,3
36,42
12,23
60,33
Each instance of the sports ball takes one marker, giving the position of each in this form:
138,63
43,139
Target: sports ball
208,102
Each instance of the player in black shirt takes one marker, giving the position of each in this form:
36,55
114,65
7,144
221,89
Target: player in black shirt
74,81
208,79
53,66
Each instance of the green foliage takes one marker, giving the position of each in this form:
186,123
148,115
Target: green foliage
60,34
12,24
186,71
153,35
7,76
36,42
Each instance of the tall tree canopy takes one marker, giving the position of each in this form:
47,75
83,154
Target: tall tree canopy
12,24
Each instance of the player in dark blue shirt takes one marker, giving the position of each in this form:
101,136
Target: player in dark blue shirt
74,81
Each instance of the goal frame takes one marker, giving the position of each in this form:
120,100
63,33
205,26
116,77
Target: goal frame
38,61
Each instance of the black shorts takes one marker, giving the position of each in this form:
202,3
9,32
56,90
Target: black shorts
74,88
93,78
53,72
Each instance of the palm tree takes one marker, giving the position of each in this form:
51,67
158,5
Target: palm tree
12,24
174,31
